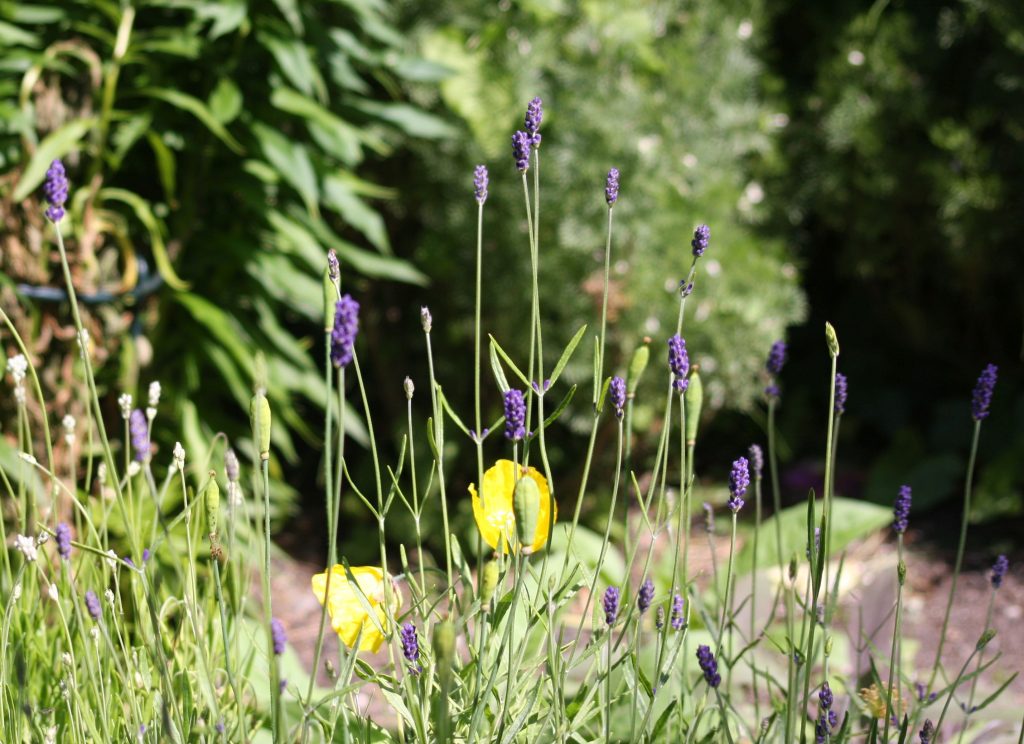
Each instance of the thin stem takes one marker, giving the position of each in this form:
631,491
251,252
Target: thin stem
895,641
977,669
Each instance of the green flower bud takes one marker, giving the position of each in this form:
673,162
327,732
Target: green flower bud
259,415
488,581
792,569
831,339
637,365
901,572
526,508
211,496
694,398
987,636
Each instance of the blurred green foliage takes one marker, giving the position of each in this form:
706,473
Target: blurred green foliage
222,143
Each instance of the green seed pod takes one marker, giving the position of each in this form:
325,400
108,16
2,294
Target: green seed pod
828,646
901,572
637,365
488,581
831,339
444,646
526,508
259,415
330,301
987,636
212,498
694,398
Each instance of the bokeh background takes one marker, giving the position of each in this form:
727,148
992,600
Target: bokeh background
861,163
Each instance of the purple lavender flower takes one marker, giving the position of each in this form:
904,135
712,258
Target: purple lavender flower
56,189
617,392
982,396
515,415
146,555
701,236
63,538
840,393
927,732
817,543
521,151
678,362
92,605
825,697
138,428
411,647
346,326
708,665
534,116
645,596
278,635
901,510
611,604
659,618
776,358
999,569
611,187
678,617
821,729
739,480
756,457
772,391
480,182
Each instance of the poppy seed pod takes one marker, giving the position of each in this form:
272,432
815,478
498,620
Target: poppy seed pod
259,415
637,365
694,398
526,508
211,496
488,581
444,648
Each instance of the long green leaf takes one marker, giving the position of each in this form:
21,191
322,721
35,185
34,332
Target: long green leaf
198,109
55,145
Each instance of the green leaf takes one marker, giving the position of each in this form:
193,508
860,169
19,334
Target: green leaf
413,121
55,145
292,161
499,373
166,165
508,360
198,109
294,60
225,101
567,354
335,135
156,240
851,520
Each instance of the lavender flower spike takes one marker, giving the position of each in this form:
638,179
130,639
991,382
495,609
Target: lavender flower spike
611,187
139,430
739,480
678,362
617,393
63,538
982,397
56,189
346,327
709,666
411,647
92,605
480,183
279,636
515,415
678,617
756,457
927,732
841,391
534,116
611,604
521,151
645,596
776,358
701,238
999,569
901,510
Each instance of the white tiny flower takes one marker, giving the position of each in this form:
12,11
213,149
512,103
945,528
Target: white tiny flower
179,456
101,473
125,401
855,57
150,414
83,341
51,735
68,422
17,591
134,468
154,394
109,595
52,592
27,547
95,633
745,29
19,395
17,366
67,659
234,494
28,457
111,560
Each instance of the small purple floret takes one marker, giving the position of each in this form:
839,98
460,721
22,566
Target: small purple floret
138,428
534,116
63,538
999,569
982,397
776,358
901,510
480,183
739,480
617,393
515,415
678,362
678,617
701,237
709,666
927,732
645,596
92,605
56,189
611,187
346,327
411,647
611,604
279,636
521,151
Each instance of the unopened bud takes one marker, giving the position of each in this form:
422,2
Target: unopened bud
526,508
259,414
408,387
637,365
831,339
212,497
426,320
693,398
488,581
901,572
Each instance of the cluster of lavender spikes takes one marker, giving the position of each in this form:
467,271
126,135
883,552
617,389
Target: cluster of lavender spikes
515,415
610,603
739,480
346,327
709,666
678,362
56,190
411,648
901,510
617,393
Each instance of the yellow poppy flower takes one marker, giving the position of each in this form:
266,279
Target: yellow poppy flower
348,614
495,518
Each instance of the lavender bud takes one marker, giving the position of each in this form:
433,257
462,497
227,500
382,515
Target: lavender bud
139,430
92,605
231,468
678,617
480,183
346,327
901,510
426,319
927,732
709,666
278,635
776,358
982,396
645,596
515,415
709,518
521,151
756,457
63,533
678,362
739,480
617,392
333,266
840,406
611,187
56,190
408,387
659,618
825,696
411,647
772,392
611,604
701,236
534,116
999,569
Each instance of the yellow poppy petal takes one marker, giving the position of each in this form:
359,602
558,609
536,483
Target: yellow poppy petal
493,512
348,613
